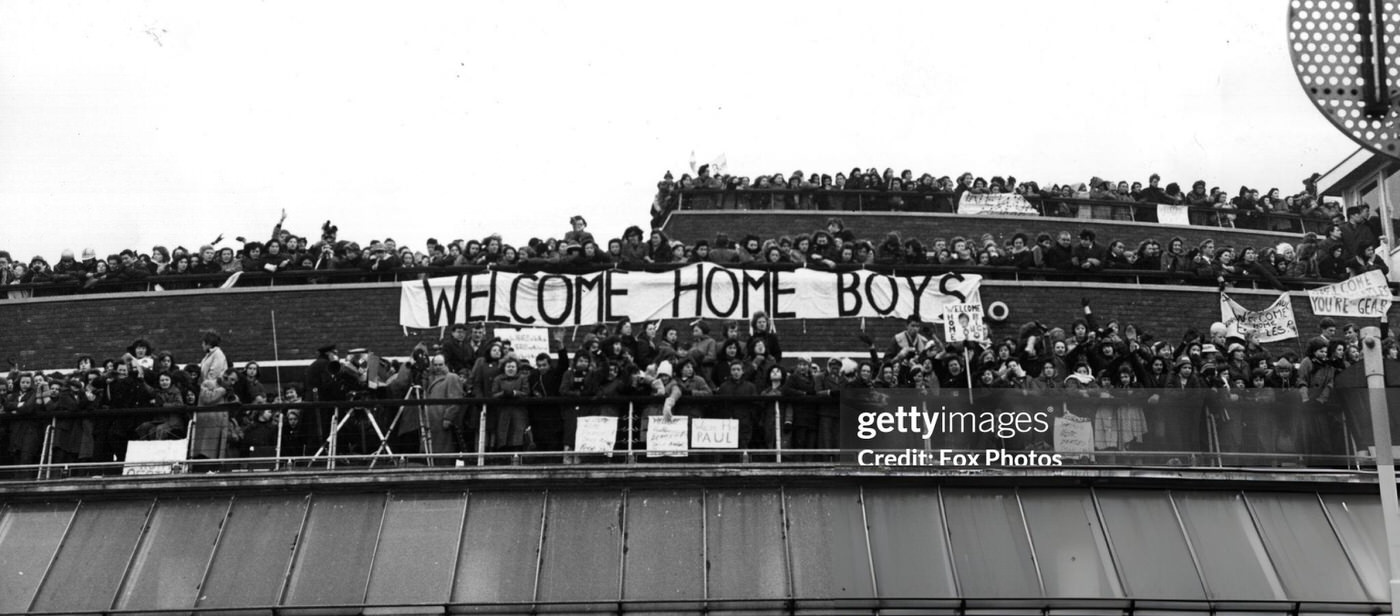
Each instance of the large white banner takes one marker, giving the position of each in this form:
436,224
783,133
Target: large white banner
1366,295
698,290
1268,325
1001,203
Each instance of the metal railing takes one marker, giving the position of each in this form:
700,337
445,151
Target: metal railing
325,425
213,282
701,199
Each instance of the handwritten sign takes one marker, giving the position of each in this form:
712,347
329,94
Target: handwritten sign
1004,203
667,438
1173,214
1074,436
702,289
1268,325
154,457
527,342
595,434
714,434
1366,295
963,323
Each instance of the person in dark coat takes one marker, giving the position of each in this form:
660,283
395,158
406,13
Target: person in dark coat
512,421
457,350
745,412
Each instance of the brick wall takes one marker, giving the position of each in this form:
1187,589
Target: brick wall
692,226
53,332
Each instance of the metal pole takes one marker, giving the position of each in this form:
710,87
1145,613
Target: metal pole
277,456
778,430
631,410
1384,209
335,436
1385,457
276,358
481,438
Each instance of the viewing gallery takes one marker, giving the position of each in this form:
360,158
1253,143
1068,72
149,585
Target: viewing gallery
675,423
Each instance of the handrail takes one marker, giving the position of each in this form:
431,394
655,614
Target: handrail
863,200
302,277
1209,449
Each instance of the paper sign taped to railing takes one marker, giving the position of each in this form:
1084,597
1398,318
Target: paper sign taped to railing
1268,325
527,342
1073,435
691,291
667,438
714,434
154,457
1003,203
1173,214
1366,295
595,434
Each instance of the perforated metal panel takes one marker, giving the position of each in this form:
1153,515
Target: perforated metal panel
1333,45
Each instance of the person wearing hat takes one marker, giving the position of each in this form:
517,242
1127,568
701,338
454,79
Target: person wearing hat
380,259
703,349
1236,364
319,380
1185,375
67,269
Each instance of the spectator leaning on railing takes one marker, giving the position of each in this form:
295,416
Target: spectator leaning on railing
1255,401
831,246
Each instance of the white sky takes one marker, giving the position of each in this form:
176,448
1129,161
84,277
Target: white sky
135,123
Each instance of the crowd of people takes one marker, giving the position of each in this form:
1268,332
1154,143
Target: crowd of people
1349,246
1246,399
903,192
1345,246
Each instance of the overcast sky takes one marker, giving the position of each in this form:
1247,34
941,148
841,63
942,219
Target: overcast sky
130,124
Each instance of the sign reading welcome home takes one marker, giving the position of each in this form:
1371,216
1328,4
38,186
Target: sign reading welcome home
699,290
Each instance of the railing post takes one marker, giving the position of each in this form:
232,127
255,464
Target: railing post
46,454
481,437
335,436
778,429
277,454
631,412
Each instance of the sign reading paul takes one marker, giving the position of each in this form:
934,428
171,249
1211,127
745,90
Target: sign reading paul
693,291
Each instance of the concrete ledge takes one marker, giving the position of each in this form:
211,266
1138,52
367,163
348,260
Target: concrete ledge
688,475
